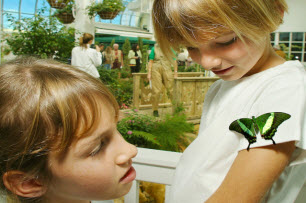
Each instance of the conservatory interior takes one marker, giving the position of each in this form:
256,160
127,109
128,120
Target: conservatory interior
131,24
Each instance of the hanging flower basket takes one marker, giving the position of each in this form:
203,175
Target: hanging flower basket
108,9
58,4
65,18
108,15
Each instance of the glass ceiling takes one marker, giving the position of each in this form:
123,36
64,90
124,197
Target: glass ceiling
27,8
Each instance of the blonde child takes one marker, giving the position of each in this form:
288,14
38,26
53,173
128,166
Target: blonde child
108,58
232,159
58,136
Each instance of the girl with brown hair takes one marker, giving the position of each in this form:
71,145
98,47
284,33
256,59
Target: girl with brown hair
58,136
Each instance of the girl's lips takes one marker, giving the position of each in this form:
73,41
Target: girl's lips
129,176
222,72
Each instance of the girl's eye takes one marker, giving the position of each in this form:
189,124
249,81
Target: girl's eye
98,148
191,48
227,43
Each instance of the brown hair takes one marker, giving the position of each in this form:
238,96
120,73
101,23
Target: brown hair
85,39
180,22
44,106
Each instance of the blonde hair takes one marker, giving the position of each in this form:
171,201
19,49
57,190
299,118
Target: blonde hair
45,106
108,50
85,39
186,23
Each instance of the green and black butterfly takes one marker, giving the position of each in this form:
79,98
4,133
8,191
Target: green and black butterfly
266,124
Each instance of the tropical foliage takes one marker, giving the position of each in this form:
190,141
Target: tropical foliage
149,132
122,88
126,49
42,37
144,52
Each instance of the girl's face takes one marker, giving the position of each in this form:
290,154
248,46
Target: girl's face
97,167
229,58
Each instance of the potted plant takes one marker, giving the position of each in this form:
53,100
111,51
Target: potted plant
108,9
58,4
65,15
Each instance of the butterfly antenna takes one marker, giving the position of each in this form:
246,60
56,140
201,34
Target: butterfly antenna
273,141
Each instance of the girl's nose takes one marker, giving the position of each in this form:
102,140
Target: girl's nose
209,61
128,151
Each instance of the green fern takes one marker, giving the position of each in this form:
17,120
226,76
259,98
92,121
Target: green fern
148,132
147,136
142,139
171,130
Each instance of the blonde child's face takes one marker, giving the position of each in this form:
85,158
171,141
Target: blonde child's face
97,167
229,58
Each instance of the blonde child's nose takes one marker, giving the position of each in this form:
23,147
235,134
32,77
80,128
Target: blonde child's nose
210,61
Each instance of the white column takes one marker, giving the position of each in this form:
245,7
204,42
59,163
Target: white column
82,21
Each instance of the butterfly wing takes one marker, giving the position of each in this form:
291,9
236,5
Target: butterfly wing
244,126
269,122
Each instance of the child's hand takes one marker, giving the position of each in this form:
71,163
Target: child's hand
149,76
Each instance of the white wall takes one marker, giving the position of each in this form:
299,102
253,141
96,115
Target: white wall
295,19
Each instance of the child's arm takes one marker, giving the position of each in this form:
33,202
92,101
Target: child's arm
252,173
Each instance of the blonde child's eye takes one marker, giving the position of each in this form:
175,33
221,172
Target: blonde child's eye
98,148
228,42
191,48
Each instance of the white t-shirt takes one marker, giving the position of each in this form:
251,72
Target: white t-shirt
86,60
205,163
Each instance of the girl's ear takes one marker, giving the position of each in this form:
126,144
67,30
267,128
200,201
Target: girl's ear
18,183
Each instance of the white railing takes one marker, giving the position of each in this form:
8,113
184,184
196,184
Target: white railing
153,166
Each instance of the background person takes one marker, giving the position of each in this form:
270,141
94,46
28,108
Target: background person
85,58
117,57
232,39
101,46
58,136
108,56
135,59
160,74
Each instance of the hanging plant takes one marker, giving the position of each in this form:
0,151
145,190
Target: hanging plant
58,4
65,15
108,9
